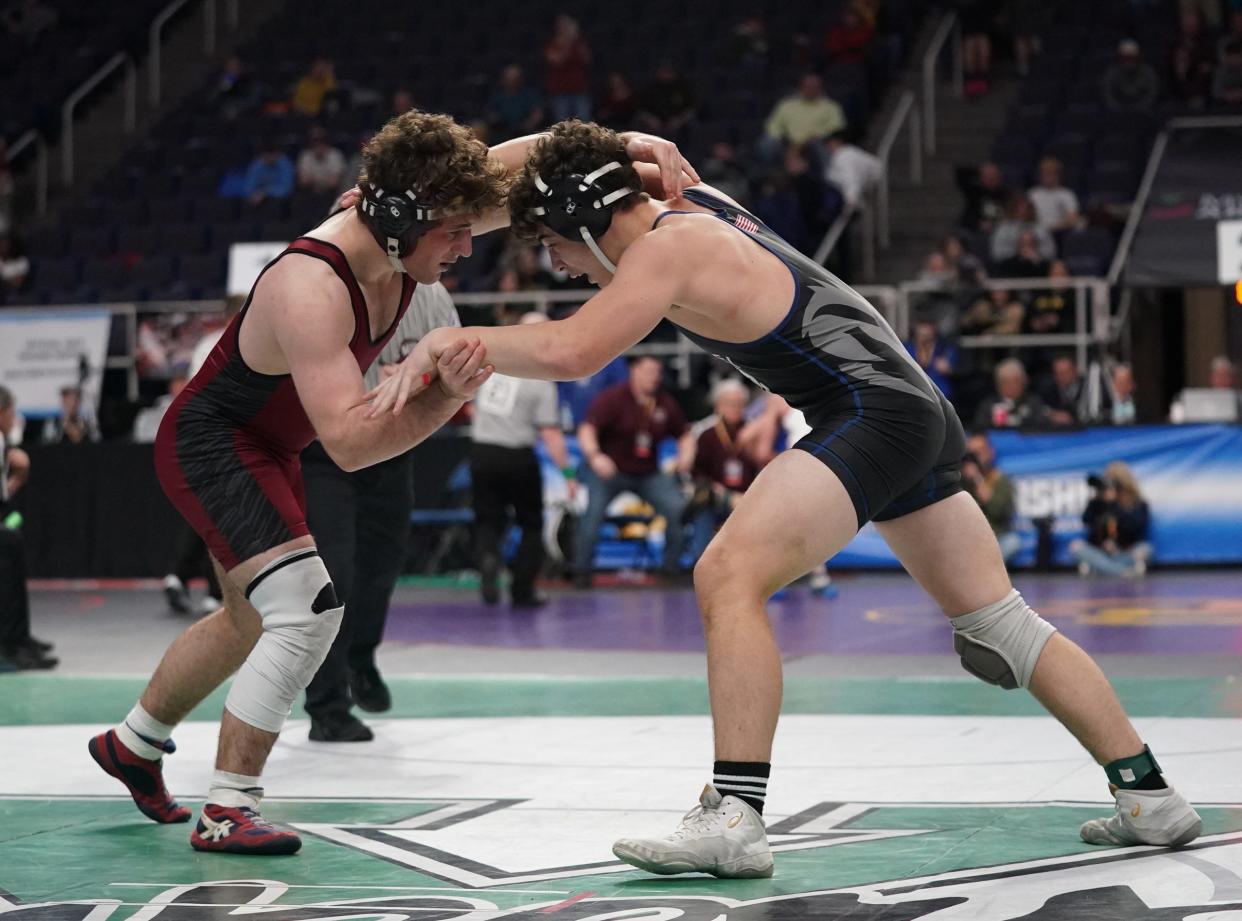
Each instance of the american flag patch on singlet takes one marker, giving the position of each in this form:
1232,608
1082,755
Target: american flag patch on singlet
742,222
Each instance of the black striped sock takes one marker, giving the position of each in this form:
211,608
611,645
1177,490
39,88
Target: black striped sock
747,780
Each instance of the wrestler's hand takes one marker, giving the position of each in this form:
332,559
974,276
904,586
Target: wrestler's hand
348,199
675,171
462,370
405,378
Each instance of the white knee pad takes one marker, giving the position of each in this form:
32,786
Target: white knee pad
301,614
1001,643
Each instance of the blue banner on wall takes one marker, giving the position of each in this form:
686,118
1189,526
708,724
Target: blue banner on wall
1191,476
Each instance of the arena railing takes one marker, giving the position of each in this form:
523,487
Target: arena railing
119,61
35,140
155,39
948,28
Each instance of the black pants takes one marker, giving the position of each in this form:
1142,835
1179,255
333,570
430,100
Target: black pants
14,601
361,523
501,478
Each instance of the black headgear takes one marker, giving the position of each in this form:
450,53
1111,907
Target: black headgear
578,206
396,221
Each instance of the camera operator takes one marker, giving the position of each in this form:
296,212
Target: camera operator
994,491
1117,521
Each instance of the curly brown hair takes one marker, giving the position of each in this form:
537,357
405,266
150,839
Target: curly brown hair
442,161
570,147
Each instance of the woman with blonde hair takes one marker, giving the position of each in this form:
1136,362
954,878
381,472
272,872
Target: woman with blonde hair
1117,520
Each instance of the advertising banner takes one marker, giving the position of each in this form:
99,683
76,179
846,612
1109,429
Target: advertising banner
44,351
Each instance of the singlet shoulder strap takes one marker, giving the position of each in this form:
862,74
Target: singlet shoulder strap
332,255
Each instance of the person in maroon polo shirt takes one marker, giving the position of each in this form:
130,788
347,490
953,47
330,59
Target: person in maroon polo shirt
623,428
724,461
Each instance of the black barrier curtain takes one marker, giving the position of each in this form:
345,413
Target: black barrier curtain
1198,184
97,511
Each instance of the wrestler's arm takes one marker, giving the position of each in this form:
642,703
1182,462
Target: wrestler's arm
312,327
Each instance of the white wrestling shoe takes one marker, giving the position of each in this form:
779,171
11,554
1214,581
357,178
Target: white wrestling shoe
1159,817
723,836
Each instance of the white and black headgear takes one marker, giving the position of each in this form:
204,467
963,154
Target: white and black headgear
577,206
396,220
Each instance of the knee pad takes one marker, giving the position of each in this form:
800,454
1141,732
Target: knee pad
1001,643
301,615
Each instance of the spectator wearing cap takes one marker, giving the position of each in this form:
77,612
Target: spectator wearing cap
321,167
1130,84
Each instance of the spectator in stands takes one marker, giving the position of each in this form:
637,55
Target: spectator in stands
321,167
848,41
1063,393
996,313
965,266
618,107
509,414
28,19
8,189
1221,374
515,108
1056,207
1117,520
724,464
568,57
235,90
270,175
942,301
1019,219
353,166
749,43
851,169
817,206
986,196
976,19
1130,84
1025,20
402,102
992,489
620,441
14,268
1119,406
667,104
311,92
1227,87
935,356
807,115
1027,262
18,649
1191,59
1052,310
1012,405
723,171
577,396
74,425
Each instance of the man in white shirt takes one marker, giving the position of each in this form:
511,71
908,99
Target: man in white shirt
851,169
321,167
1056,207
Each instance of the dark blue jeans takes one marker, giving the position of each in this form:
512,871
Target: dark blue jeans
660,489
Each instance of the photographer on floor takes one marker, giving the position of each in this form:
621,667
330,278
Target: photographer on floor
1117,520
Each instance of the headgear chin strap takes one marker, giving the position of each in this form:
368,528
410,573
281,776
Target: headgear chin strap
396,221
577,206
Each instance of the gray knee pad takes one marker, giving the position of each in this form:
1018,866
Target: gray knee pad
301,615
1001,643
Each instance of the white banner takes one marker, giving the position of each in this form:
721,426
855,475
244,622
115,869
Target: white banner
1229,252
42,352
246,261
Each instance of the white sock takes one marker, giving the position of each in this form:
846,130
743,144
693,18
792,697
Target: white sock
229,789
143,734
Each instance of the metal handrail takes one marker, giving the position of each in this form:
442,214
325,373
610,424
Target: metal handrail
118,60
33,138
835,230
155,36
1149,177
904,114
943,31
